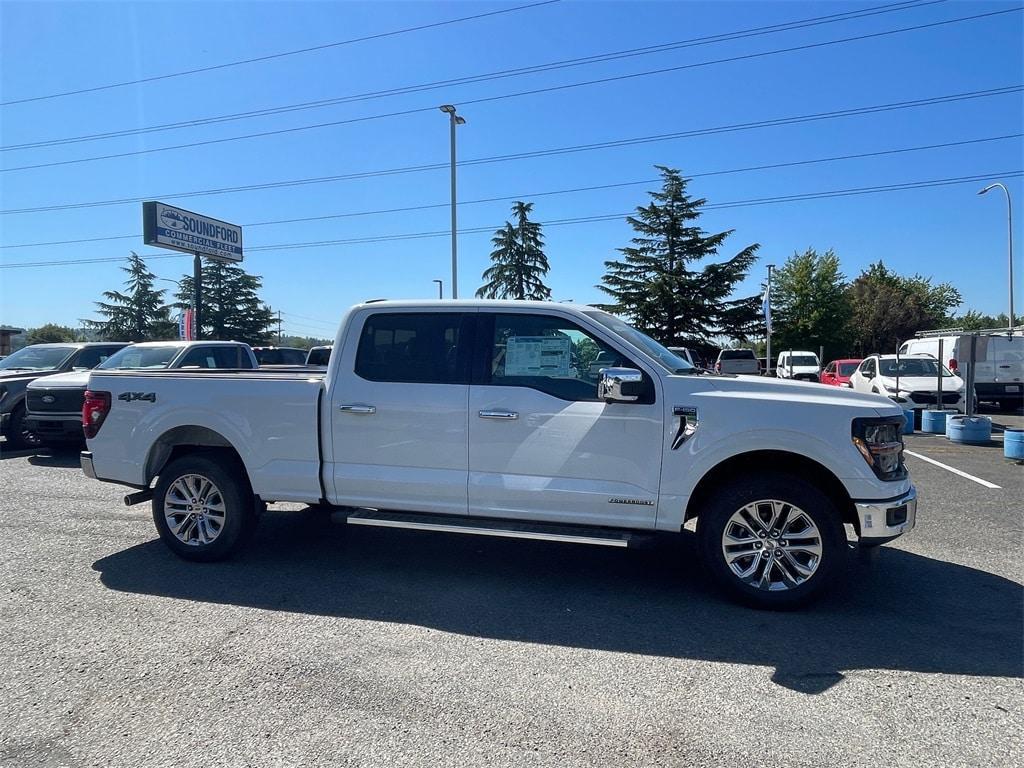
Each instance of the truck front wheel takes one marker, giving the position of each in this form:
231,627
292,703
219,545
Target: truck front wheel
771,541
204,509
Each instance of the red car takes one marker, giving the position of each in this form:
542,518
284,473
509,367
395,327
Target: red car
837,373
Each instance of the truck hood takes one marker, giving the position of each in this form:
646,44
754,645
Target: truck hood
793,392
922,383
73,380
19,375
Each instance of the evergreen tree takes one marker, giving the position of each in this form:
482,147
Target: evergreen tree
810,304
231,308
139,313
519,262
656,285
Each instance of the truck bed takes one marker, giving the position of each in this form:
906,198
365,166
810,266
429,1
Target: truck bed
269,417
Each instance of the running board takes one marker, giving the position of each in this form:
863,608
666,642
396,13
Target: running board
508,529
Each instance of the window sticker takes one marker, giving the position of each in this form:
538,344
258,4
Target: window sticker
537,356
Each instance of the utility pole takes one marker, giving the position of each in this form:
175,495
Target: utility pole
768,322
454,120
279,327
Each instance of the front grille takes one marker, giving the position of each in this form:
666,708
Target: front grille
930,398
64,400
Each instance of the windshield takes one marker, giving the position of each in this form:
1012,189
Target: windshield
847,369
37,358
669,359
140,357
801,360
912,366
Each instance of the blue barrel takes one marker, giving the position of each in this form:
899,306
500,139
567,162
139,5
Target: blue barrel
934,422
1013,443
908,421
971,430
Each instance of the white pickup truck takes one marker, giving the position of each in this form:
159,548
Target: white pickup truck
488,418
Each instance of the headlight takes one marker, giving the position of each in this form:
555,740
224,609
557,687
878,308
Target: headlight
880,442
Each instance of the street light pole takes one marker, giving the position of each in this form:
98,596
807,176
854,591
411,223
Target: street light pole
768,323
440,288
1009,242
454,120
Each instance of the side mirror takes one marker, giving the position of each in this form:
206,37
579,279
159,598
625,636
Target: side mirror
868,375
620,385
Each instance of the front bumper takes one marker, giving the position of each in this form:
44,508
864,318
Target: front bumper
885,520
56,426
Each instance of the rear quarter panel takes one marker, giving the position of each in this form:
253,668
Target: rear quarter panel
271,421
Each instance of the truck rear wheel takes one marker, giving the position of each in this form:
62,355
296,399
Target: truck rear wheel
203,508
771,541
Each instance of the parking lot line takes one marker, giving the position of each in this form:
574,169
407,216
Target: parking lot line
954,470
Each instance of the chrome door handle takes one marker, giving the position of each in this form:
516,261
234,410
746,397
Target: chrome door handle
506,415
357,408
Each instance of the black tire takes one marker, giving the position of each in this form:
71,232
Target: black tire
19,436
787,587
233,495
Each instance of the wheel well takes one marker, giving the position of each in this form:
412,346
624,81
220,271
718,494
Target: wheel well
181,441
773,461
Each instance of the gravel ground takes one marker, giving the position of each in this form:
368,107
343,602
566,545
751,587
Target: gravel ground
324,645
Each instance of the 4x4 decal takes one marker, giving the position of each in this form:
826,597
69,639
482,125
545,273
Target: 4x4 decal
129,397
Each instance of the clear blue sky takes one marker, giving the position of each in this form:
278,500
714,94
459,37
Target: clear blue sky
946,232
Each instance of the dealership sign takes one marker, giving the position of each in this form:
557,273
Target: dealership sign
168,227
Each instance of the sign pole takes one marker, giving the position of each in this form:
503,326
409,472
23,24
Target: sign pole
197,294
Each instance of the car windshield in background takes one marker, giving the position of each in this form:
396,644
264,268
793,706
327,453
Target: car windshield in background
804,360
911,367
847,369
737,354
669,359
138,358
36,358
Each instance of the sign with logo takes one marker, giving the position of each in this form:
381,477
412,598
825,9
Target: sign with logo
168,227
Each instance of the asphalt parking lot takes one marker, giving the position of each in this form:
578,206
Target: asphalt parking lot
323,645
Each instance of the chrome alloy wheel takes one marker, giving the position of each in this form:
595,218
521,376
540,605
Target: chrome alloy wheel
772,545
194,510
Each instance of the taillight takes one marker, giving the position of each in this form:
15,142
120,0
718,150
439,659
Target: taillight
952,364
94,411
718,367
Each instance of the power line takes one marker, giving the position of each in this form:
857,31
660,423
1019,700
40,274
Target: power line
500,74
854,191
502,97
283,54
549,193
774,122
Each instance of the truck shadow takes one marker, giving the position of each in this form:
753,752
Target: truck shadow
902,612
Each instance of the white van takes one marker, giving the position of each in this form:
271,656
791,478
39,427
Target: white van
999,366
804,366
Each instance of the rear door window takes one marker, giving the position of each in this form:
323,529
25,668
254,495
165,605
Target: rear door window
415,348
